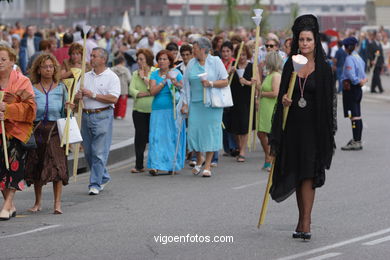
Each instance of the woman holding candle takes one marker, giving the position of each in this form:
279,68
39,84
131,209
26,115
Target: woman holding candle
204,123
142,107
17,111
48,162
304,148
167,142
241,94
266,102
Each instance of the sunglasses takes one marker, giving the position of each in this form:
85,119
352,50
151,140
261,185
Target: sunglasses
269,45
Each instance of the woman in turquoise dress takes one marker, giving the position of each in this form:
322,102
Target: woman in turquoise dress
167,140
204,122
266,103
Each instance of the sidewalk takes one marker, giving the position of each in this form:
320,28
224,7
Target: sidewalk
122,147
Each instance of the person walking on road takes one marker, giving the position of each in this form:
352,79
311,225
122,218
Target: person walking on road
353,78
304,148
48,162
142,107
17,110
101,92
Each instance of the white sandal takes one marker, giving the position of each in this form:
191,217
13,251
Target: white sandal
197,169
206,173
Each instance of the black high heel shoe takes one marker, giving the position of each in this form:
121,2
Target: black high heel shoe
297,234
306,235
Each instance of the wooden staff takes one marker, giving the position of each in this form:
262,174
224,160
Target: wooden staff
254,74
5,149
289,95
76,74
236,62
266,196
80,106
285,114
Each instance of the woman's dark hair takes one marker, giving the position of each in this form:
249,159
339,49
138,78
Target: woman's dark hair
148,55
306,23
172,47
215,41
119,59
169,55
185,47
245,49
227,44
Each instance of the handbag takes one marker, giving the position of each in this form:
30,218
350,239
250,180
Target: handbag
221,97
74,131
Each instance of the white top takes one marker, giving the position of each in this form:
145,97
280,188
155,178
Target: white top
89,45
106,83
30,47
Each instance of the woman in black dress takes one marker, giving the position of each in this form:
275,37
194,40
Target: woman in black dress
241,94
304,149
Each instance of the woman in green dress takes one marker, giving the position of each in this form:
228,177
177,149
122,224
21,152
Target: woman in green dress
265,104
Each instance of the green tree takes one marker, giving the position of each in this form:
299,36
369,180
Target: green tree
229,15
294,12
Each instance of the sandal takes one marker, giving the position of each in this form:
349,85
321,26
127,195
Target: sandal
240,158
267,166
153,172
206,173
135,170
198,168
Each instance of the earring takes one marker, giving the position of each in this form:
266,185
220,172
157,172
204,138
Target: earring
299,51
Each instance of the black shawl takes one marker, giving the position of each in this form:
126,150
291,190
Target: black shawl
326,123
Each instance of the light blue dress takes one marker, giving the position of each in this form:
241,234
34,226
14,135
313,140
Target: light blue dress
167,137
204,122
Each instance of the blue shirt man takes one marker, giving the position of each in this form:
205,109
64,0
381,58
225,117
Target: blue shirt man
353,77
354,68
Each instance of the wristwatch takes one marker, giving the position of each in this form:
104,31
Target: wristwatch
211,83
94,95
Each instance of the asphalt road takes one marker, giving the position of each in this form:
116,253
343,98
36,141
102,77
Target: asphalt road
350,216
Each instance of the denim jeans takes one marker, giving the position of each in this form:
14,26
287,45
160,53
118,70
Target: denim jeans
96,130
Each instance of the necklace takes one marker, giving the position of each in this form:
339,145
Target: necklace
302,102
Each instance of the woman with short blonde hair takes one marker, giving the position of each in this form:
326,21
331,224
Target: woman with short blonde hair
266,101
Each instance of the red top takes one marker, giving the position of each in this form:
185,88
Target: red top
61,54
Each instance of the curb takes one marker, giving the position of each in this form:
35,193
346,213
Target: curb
119,152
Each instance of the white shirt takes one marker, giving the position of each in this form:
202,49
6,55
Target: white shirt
106,83
89,45
30,47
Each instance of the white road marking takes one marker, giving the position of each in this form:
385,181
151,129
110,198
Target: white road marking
378,241
248,185
30,231
340,244
326,256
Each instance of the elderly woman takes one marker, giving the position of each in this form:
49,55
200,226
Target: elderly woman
167,145
47,163
266,102
142,107
204,123
75,57
17,111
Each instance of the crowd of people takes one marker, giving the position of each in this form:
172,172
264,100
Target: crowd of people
168,73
